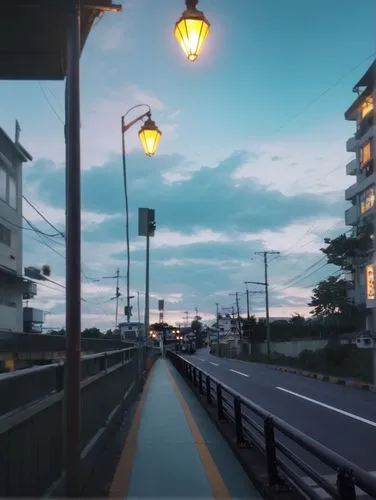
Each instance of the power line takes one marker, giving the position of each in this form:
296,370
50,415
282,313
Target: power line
50,104
43,216
322,94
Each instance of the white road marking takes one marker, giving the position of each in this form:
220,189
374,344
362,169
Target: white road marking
328,407
331,478
214,364
201,359
239,373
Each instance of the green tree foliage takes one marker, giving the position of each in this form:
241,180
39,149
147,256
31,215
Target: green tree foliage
197,327
92,333
330,298
342,251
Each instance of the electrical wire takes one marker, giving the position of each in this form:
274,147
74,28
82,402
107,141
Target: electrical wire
43,217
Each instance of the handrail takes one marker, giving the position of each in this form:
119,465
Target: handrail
348,474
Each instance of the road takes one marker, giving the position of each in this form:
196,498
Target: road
340,417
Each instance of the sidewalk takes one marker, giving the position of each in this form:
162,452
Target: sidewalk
173,450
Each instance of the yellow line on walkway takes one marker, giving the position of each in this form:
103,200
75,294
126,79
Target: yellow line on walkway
215,479
121,480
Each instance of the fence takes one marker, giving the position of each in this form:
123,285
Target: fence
29,342
281,444
31,417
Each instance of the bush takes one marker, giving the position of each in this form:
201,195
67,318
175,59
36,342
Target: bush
337,360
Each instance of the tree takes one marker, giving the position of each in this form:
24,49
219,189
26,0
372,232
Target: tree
342,251
197,327
92,333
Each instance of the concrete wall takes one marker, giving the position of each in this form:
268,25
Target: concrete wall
293,348
11,313
11,288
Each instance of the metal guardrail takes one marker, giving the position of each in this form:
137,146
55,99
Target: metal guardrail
36,342
283,465
32,411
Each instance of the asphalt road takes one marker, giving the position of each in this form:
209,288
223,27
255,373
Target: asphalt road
340,417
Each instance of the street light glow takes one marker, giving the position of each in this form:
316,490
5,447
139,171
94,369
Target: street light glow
149,135
191,30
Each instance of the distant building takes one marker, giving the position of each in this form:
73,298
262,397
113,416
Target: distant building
362,192
131,331
13,286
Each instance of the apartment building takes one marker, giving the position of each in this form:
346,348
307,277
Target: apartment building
361,194
13,287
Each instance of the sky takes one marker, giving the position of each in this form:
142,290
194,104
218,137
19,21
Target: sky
252,155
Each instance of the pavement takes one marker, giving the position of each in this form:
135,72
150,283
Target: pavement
340,417
174,450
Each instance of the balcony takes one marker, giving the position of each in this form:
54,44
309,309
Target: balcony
359,187
352,191
351,144
352,216
352,167
364,125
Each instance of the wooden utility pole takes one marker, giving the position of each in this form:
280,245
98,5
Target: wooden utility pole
266,284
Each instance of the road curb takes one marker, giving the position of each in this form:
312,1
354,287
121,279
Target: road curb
326,378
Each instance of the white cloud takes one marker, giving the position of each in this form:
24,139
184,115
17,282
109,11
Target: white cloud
100,127
302,165
301,237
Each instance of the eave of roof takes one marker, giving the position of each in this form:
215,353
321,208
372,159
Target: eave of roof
33,36
24,155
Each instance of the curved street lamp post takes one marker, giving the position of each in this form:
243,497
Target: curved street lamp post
150,136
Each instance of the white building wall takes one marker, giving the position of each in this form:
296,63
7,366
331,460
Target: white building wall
11,266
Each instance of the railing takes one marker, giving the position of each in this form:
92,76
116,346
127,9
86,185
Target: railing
30,342
254,426
31,417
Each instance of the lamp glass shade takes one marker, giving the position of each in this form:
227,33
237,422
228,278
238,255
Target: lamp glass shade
150,136
190,32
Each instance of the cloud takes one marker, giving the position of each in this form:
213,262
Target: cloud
209,224
100,127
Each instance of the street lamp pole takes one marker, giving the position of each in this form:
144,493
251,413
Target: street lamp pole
150,137
73,255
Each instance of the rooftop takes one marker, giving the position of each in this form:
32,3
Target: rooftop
33,36
367,83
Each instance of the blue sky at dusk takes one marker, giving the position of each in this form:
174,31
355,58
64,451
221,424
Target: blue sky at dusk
252,155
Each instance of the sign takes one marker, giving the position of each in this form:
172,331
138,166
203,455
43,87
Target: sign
370,284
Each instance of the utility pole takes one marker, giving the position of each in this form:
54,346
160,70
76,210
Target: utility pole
186,317
138,307
117,292
248,293
217,315
266,284
237,313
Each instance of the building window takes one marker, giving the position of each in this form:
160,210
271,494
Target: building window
367,200
365,154
3,184
366,107
5,236
12,198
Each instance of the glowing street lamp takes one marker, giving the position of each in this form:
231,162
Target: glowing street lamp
191,30
150,136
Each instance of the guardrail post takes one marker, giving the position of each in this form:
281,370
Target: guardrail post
200,390
208,390
60,377
220,413
271,458
238,421
194,376
345,484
